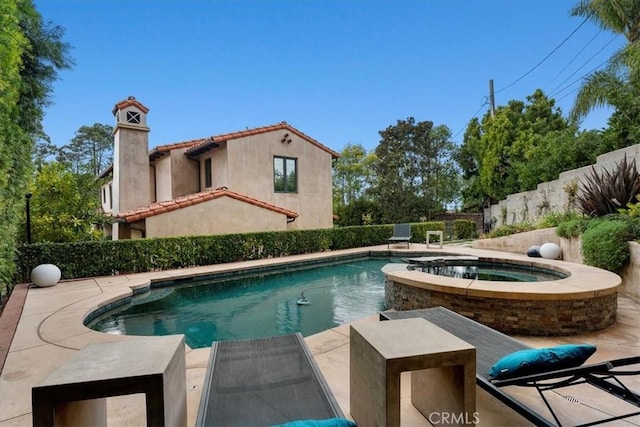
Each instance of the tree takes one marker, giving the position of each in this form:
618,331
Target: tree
468,157
43,56
624,123
351,174
498,155
65,205
31,54
90,150
619,17
66,191
358,212
618,84
414,170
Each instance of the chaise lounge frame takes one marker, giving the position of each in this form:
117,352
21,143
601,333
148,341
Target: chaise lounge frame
264,381
401,233
492,345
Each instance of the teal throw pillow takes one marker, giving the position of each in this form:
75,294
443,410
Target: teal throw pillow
539,360
331,422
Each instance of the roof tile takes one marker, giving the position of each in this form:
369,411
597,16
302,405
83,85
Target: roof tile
193,199
128,102
194,143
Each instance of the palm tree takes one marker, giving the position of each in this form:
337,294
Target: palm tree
621,78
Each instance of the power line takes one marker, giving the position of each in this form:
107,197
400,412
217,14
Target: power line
543,59
578,79
570,93
586,62
486,101
576,56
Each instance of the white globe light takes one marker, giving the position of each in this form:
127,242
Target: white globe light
45,275
550,251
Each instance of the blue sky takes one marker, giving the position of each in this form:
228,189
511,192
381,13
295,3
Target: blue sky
338,70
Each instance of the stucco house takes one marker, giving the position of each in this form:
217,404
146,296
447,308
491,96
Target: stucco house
268,178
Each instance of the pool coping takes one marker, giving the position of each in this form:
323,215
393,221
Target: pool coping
118,289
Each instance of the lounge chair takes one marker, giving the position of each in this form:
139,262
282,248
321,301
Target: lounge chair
492,345
264,381
401,233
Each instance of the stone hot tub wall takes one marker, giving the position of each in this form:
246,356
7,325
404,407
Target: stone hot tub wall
586,300
528,316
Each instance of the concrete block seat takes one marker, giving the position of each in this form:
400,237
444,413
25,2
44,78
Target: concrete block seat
74,393
264,381
492,345
442,372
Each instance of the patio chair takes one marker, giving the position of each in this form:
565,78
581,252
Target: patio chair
401,233
492,345
264,381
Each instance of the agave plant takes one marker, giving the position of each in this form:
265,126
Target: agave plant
605,193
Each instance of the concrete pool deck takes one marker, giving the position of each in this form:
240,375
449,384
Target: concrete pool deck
50,331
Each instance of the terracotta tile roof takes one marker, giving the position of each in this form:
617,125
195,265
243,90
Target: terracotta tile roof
128,102
161,150
193,199
196,143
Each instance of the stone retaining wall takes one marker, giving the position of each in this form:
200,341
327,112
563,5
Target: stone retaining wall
552,196
512,316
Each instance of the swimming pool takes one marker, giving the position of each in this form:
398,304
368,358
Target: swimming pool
253,307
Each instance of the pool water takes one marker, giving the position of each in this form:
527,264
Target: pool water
495,272
470,267
254,307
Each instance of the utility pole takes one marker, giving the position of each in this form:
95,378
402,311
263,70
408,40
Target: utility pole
492,100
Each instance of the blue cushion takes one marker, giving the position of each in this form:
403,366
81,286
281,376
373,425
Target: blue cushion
536,361
331,422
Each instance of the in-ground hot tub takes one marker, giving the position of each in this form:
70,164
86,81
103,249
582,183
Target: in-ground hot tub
584,300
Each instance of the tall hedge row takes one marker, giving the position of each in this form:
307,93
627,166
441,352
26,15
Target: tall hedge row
103,258
15,144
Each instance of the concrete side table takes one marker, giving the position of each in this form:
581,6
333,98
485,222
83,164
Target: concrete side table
74,393
443,381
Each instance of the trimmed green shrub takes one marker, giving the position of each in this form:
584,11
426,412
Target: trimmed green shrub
419,230
507,230
632,222
572,227
104,258
554,219
465,229
633,209
604,244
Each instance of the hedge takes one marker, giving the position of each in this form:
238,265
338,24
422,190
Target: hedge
109,257
465,229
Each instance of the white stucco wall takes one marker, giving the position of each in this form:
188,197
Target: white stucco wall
631,273
163,179
219,216
175,175
131,187
185,174
250,172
